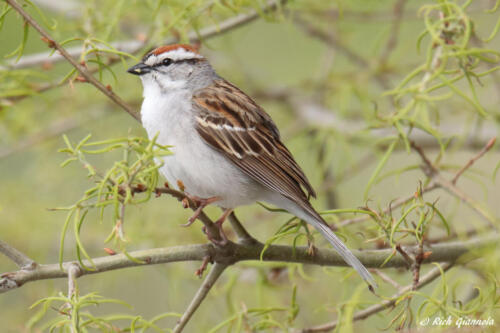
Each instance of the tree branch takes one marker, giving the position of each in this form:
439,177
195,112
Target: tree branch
74,272
211,228
483,151
81,69
335,43
235,252
134,46
55,129
425,280
315,114
433,173
392,205
241,232
21,260
392,41
200,295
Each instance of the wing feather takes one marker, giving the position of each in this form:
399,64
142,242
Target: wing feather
232,123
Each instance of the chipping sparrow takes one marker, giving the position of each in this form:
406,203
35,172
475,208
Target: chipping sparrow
226,148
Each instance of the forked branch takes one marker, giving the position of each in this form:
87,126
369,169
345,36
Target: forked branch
235,252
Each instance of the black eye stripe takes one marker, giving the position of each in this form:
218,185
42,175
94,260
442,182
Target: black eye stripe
168,61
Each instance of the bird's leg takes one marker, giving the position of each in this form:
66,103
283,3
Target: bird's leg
219,223
200,204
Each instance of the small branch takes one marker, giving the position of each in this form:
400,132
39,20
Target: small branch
53,130
235,252
435,62
473,204
21,260
393,205
331,40
240,231
70,8
311,112
483,151
433,173
419,258
207,222
387,278
392,41
134,46
73,273
429,168
363,314
407,258
202,292
108,263
81,69
335,43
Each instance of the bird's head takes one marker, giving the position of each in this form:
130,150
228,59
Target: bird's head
173,67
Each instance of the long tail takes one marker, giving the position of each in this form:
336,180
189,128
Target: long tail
344,252
313,218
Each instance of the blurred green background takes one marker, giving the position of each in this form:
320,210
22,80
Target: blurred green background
263,56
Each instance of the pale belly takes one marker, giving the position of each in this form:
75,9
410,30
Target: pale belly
205,173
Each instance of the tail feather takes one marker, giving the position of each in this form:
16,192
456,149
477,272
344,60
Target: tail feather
303,210
308,214
344,252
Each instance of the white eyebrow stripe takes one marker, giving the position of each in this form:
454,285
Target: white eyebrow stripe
176,55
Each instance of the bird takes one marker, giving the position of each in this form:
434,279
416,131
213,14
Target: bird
227,150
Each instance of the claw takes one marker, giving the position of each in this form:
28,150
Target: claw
200,203
223,241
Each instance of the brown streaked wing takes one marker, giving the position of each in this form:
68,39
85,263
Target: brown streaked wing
231,122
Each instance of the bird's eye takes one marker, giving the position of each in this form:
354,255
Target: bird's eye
166,62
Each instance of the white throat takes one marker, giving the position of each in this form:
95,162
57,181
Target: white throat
166,109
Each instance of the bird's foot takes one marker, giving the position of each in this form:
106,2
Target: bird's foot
200,203
311,249
223,238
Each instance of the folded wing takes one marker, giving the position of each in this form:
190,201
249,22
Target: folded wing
232,123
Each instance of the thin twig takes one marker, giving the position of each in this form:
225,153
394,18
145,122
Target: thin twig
473,204
393,205
21,260
363,314
134,46
331,40
240,231
202,292
52,131
429,169
70,8
207,222
314,113
81,69
392,41
483,151
435,62
433,173
73,273
58,83
386,278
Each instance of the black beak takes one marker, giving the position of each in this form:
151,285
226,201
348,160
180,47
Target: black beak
139,69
